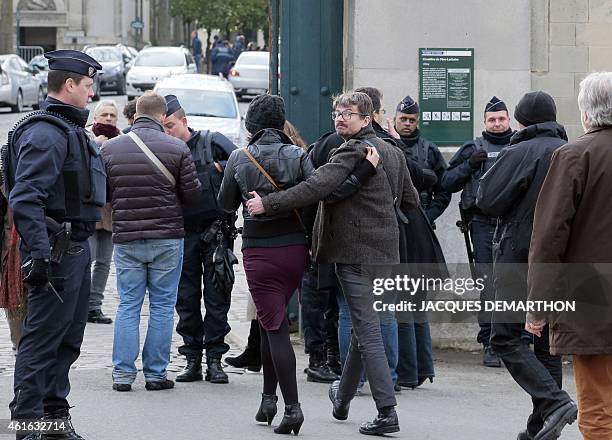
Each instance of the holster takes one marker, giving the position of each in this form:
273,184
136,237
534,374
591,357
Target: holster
59,239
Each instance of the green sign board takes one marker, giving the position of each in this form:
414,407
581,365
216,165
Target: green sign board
446,95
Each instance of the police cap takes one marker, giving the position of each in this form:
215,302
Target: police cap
172,103
73,61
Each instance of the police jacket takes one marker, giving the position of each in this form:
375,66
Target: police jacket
510,189
287,164
435,199
146,205
54,170
207,147
460,175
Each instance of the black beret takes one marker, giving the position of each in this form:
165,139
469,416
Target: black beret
172,103
408,106
495,105
265,111
73,61
535,108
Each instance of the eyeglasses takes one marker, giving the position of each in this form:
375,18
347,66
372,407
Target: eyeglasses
346,115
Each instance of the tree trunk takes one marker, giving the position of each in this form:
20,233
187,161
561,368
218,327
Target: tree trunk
208,63
7,37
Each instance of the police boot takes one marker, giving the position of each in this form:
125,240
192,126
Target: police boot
214,371
62,416
192,371
333,360
251,356
317,370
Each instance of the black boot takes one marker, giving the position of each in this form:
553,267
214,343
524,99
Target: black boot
333,360
490,358
214,371
251,356
340,407
61,415
192,371
555,422
292,420
385,423
267,408
317,370
97,317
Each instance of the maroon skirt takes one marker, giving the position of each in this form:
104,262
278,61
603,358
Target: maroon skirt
273,274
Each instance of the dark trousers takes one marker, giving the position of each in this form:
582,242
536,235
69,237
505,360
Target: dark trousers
538,372
199,333
319,313
52,336
482,241
366,349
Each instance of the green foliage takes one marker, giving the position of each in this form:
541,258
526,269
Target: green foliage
230,15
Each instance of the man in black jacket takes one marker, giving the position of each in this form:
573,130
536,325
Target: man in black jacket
210,151
509,191
467,166
405,128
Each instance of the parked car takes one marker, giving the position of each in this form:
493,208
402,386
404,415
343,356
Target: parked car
19,87
209,103
251,73
40,63
155,63
114,66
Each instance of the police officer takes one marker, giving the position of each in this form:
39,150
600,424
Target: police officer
57,186
405,128
467,166
210,151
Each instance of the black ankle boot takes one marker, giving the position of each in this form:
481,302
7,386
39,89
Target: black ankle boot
292,420
250,358
63,415
340,407
385,423
214,371
317,370
333,360
267,408
192,371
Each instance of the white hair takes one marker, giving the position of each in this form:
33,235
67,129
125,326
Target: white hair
595,98
105,103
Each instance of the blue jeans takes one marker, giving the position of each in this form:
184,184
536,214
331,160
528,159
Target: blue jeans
153,266
415,353
388,328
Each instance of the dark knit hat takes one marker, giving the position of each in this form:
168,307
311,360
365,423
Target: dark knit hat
265,111
495,105
408,106
534,108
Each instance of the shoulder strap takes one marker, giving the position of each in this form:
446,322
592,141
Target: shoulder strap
204,147
272,181
152,157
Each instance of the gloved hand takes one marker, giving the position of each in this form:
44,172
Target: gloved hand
477,157
39,273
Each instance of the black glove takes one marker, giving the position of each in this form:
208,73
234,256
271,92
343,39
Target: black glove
429,178
477,157
39,273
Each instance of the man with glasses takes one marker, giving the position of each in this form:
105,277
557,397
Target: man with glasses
353,233
405,127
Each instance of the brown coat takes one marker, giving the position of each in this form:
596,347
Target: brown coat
361,229
573,229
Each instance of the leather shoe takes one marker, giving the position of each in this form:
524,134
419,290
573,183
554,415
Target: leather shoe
62,414
385,423
97,317
524,435
490,358
340,407
158,385
555,422
192,371
122,387
214,371
318,370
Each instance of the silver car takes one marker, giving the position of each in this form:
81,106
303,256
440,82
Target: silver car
251,73
209,103
19,86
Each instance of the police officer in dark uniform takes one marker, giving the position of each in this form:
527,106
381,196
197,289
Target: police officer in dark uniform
203,221
435,199
57,186
467,166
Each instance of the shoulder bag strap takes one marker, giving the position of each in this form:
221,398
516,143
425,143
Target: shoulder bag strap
152,157
272,181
